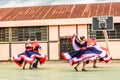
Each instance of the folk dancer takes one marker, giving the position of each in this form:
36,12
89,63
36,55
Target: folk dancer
79,47
78,56
93,52
41,58
27,56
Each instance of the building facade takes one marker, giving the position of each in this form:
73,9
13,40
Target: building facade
53,26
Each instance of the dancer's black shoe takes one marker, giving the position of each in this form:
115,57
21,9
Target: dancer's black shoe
75,68
84,70
94,66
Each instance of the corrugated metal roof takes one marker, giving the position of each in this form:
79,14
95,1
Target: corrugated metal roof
60,11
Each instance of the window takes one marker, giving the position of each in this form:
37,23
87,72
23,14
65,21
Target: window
114,34
24,33
4,34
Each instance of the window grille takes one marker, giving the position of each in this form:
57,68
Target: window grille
4,34
113,34
24,33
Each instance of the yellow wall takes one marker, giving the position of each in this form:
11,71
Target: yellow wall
82,30
53,50
17,48
53,43
53,33
4,51
52,47
113,48
67,30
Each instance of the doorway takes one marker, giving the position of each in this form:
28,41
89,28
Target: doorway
65,45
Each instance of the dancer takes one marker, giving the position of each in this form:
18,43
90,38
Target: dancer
79,47
76,45
41,58
90,53
86,61
27,56
83,42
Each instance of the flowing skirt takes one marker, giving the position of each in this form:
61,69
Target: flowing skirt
40,57
27,56
90,54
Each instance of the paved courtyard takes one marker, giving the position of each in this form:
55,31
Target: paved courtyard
59,70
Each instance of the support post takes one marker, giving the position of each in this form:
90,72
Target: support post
106,40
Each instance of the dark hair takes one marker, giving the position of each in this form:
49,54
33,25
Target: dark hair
82,37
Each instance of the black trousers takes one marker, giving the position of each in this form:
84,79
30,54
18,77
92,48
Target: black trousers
35,63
